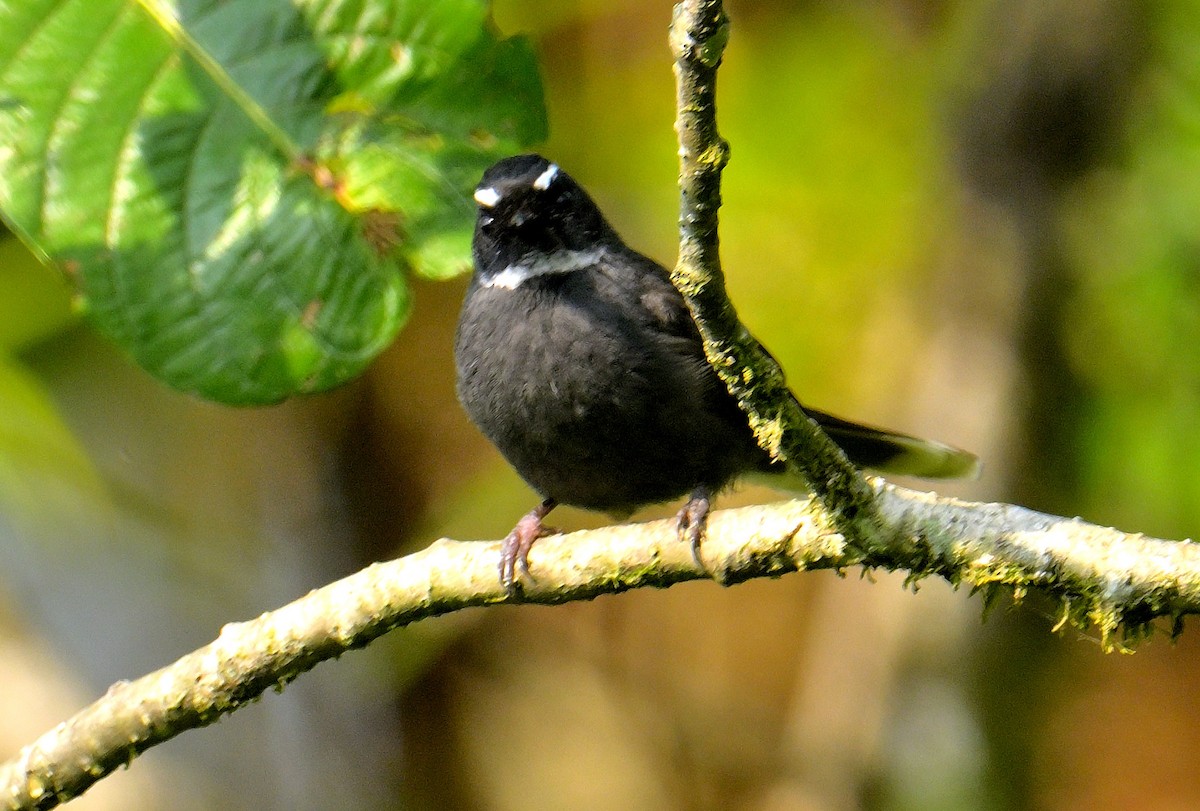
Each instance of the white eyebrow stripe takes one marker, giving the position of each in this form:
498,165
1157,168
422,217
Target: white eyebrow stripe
544,180
487,197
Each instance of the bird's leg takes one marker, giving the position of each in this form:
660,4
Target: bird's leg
514,554
692,519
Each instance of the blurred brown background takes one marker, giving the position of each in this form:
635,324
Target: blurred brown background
976,220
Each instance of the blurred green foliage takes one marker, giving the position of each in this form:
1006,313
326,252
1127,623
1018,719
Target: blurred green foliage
44,470
1133,230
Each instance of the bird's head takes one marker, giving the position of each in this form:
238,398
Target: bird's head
530,213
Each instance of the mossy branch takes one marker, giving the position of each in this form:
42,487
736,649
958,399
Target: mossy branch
699,32
1116,582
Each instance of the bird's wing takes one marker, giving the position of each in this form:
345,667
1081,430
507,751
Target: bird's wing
663,305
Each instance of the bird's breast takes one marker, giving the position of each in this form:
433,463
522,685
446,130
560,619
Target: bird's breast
588,403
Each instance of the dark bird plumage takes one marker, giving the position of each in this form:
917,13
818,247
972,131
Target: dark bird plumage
579,360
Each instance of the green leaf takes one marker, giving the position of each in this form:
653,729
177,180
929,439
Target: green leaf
238,187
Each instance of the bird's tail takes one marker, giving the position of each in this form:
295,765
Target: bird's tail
891,452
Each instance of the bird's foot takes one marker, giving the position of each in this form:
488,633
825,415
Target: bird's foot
692,520
514,553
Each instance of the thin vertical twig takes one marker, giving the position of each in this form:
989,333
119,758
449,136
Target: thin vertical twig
699,33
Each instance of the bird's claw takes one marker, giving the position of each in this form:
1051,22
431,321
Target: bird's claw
514,552
692,520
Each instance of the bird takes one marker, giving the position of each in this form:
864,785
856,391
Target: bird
579,361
